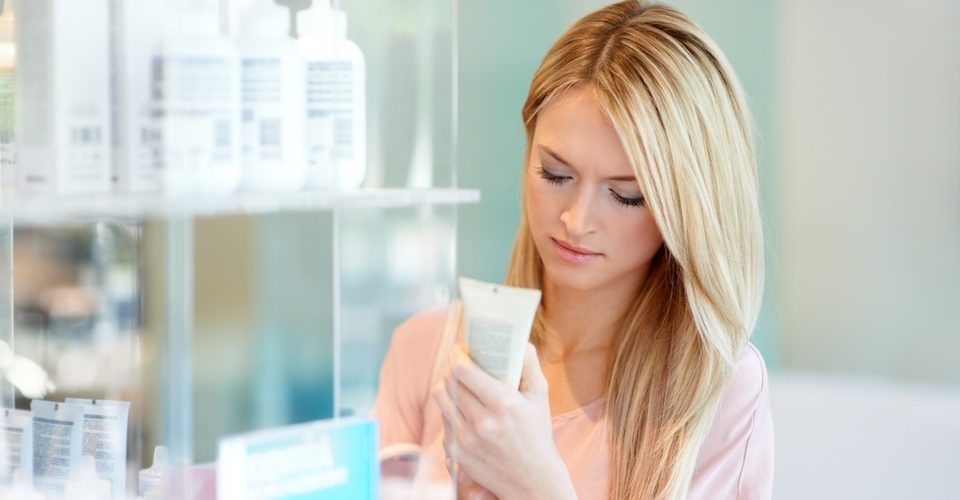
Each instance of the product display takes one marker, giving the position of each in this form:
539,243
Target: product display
63,99
193,110
497,321
336,99
74,449
273,93
105,437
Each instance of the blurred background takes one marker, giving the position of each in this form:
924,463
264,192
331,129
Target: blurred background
858,113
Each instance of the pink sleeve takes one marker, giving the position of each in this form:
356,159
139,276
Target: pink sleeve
405,378
736,460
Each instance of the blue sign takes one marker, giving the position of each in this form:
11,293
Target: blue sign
324,460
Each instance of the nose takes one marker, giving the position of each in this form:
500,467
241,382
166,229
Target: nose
578,216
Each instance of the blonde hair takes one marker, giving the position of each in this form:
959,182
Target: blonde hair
680,114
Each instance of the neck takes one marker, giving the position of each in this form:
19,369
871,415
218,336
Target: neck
579,321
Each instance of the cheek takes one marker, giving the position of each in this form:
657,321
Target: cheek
644,237
538,202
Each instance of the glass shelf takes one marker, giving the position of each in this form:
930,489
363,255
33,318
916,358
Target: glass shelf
77,208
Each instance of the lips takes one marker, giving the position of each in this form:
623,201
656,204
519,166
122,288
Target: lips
573,254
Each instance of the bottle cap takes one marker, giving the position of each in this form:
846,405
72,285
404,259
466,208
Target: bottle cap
322,20
266,19
151,479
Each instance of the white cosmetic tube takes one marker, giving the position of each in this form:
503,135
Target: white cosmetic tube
497,321
57,440
105,439
16,444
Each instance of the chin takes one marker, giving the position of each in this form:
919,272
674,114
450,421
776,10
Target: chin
572,278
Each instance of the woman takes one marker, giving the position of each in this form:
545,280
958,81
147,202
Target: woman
640,224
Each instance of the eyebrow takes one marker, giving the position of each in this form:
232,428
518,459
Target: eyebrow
549,152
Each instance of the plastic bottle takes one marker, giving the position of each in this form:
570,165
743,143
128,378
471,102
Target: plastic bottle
273,80
336,97
150,484
196,81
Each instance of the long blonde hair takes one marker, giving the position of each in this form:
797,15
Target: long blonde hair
680,114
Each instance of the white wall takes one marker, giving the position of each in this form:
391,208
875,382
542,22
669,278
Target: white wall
868,187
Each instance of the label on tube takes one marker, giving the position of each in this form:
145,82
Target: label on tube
16,444
57,439
497,322
105,439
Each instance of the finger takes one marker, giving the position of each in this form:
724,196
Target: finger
452,388
465,483
470,407
488,390
532,380
469,489
447,416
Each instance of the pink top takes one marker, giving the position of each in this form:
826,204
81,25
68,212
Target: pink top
735,461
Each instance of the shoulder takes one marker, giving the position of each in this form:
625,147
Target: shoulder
745,399
737,455
405,376
749,382
420,330
415,342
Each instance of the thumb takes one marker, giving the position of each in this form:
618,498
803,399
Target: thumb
532,381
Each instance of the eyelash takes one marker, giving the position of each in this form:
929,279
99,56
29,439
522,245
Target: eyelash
559,180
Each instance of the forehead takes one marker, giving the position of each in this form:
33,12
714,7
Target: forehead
575,127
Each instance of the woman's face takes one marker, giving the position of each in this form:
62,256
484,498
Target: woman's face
584,206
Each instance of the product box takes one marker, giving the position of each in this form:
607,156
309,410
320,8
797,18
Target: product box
63,96
325,460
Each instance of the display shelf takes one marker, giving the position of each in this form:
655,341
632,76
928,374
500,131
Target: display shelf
78,208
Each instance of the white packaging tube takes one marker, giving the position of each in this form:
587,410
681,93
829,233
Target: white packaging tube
105,439
57,440
16,444
497,322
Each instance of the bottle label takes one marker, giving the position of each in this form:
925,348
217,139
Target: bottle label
330,89
194,125
263,101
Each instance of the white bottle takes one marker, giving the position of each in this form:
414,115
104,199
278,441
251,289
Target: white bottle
336,97
273,86
63,98
8,61
196,86
150,484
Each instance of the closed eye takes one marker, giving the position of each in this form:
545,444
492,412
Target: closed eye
551,177
630,202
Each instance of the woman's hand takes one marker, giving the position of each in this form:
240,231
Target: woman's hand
501,438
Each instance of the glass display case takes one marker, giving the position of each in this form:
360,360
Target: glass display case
223,311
